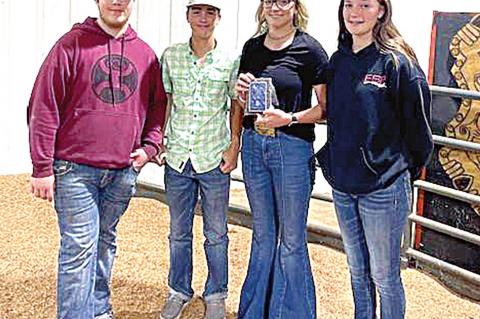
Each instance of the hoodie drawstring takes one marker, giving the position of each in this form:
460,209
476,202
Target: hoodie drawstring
110,74
121,60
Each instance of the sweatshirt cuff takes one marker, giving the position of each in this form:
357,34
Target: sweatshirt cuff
40,171
150,150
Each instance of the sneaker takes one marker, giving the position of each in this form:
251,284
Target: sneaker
215,309
173,308
107,315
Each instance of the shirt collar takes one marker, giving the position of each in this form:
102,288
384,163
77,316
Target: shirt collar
208,55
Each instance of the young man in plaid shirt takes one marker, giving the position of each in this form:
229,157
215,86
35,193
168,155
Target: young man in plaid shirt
199,79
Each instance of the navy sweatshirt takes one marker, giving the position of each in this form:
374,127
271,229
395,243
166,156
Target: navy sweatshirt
378,114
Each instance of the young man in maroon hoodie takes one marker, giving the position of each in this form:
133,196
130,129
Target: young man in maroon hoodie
95,118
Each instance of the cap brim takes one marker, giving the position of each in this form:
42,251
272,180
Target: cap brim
203,4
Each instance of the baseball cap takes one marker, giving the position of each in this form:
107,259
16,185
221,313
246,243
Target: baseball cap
213,3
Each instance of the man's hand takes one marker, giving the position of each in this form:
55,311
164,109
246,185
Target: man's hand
160,158
230,158
43,187
140,158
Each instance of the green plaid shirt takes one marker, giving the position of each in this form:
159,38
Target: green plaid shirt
197,128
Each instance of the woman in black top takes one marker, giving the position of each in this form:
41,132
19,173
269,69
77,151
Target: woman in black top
378,135
277,161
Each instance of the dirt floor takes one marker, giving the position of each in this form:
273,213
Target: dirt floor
28,253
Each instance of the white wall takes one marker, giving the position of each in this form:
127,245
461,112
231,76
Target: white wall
28,29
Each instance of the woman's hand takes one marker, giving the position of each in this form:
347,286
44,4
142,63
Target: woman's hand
273,118
242,86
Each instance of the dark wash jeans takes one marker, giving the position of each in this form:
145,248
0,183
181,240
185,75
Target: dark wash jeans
372,226
278,180
89,202
182,194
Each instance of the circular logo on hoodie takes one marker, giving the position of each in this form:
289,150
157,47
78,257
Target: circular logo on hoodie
114,79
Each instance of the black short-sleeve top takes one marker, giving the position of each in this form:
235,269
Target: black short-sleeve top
294,71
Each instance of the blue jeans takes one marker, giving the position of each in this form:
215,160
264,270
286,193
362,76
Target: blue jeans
278,180
372,226
89,202
182,195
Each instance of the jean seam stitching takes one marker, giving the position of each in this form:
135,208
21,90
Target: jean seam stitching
283,291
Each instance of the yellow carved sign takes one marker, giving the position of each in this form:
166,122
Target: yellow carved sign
463,167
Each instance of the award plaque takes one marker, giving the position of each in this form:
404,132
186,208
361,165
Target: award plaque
258,97
261,96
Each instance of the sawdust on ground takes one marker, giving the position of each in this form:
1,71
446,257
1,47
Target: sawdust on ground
28,253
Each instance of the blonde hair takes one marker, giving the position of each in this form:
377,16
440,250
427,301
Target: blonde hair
386,36
300,20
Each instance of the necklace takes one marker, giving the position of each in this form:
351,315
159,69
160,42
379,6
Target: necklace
190,43
286,35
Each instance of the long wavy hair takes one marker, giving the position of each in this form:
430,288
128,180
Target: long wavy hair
386,36
300,20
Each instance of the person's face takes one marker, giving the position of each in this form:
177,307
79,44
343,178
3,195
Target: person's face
361,16
203,19
115,13
279,13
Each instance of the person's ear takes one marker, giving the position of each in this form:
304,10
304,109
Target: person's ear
381,12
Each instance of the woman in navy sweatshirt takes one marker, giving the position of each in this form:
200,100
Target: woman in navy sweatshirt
378,108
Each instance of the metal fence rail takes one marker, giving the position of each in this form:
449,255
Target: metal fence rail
454,143
445,229
453,92
447,192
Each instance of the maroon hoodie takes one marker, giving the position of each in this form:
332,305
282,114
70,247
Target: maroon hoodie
95,100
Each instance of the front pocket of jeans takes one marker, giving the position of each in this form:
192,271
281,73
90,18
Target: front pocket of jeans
136,171
246,153
408,187
295,139
61,168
